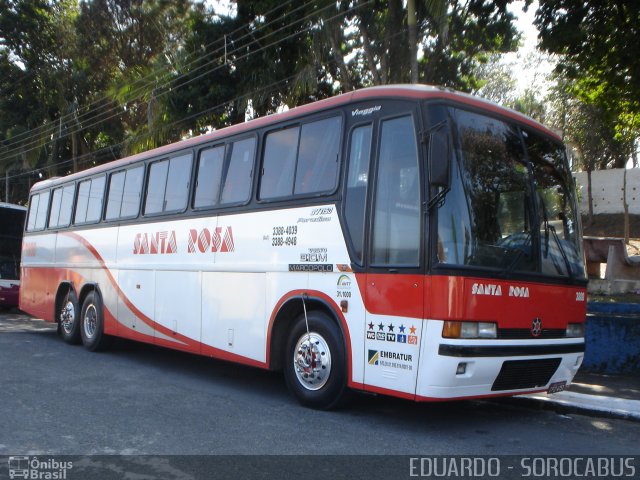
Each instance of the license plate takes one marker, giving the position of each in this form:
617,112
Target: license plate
556,387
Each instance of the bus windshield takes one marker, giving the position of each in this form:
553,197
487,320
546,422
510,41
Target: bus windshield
511,206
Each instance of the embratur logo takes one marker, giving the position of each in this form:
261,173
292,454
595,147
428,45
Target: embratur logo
374,357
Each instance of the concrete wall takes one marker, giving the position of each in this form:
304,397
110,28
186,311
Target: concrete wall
607,190
612,338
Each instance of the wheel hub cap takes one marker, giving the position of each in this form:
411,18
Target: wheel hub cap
312,361
68,317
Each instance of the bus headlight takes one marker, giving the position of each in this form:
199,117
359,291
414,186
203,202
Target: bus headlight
453,329
575,330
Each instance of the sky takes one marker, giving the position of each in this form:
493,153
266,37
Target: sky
524,23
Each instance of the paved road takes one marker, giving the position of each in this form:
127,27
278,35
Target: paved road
138,399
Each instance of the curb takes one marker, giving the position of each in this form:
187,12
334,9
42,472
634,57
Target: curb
591,405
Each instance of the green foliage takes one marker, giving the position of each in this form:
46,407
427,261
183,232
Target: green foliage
596,40
84,82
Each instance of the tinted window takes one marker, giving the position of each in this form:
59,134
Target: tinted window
89,203
317,168
116,184
396,231
96,196
278,167
483,220
156,187
61,205
168,186
82,202
33,212
177,191
124,193
38,208
55,207
357,180
132,192
558,223
209,177
237,183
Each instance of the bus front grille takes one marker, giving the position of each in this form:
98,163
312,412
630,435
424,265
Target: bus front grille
519,374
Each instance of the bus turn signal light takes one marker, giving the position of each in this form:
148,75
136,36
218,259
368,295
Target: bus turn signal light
469,330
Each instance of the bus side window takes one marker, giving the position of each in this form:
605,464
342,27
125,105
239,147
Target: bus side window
33,212
125,188
82,202
132,192
61,205
209,177
357,181
156,186
237,182
279,163
168,185
396,228
41,212
317,168
55,208
96,197
116,184
177,191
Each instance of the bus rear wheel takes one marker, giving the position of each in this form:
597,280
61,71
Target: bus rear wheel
92,324
69,318
315,362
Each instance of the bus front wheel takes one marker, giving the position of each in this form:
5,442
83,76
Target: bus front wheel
69,318
315,362
92,324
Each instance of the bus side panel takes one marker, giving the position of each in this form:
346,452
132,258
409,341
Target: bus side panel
178,309
140,287
233,313
39,286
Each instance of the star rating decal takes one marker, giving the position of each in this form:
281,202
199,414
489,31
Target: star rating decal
405,336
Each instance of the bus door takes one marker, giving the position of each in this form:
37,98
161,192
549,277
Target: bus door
392,244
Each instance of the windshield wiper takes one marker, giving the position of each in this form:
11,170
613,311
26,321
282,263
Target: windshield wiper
550,228
562,252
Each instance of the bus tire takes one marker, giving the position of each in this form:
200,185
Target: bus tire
316,371
69,318
92,324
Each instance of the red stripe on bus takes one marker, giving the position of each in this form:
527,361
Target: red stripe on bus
182,342
513,305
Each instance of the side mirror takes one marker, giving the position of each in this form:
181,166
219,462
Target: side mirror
439,157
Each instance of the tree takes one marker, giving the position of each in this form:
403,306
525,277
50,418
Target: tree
588,129
595,39
496,80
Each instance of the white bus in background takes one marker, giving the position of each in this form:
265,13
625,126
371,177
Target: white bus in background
11,230
402,240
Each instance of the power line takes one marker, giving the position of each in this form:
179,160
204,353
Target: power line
70,131
158,71
209,110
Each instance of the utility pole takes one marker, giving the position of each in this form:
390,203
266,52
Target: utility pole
413,39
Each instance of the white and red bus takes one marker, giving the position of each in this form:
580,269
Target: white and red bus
11,230
402,240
